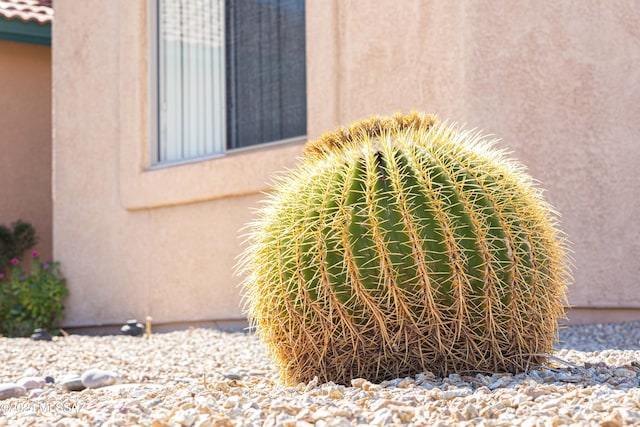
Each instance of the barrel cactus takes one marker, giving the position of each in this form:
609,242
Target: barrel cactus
401,245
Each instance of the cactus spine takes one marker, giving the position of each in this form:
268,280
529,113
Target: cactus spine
400,245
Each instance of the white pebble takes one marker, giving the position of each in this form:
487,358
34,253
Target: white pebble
96,378
30,383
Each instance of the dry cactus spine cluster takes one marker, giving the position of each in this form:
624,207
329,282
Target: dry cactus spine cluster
403,244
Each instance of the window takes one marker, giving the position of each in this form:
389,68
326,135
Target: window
231,74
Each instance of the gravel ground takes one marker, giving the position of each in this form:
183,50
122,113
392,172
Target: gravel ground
203,377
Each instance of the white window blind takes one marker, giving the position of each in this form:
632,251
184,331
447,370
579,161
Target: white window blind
231,74
191,79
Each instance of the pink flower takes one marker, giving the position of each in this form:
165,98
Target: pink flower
45,266
1,276
34,254
15,261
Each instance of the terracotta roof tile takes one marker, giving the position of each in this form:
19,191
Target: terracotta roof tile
40,11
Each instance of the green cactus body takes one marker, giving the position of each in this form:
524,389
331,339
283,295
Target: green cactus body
401,245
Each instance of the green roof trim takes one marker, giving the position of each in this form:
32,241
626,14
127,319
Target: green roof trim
32,32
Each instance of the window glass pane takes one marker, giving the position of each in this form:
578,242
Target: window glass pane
266,83
190,78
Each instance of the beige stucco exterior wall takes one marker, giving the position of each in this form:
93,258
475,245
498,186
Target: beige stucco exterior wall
134,241
558,83
25,138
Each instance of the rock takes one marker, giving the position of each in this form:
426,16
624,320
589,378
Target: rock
361,383
183,418
312,384
407,382
221,422
427,385
133,328
382,417
131,388
72,383
231,402
392,383
9,390
425,376
138,393
336,422
496,384
470,411
152,403
41,335
321,414
614,420
534,392
454,378
49,380
336,394
30,372
452,394
232,376
29,383
530,422
96,378
630,417
358,382
36,392
624,373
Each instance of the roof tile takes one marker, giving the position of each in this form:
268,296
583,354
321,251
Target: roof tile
40,11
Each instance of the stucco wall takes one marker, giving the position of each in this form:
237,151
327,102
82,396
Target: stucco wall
136,241
559,85
558,82
25,138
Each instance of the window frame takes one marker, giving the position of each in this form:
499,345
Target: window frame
153,14
142,188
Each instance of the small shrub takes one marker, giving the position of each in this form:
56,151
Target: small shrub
15,241
30,300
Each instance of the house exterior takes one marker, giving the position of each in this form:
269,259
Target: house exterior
146,221
25,116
